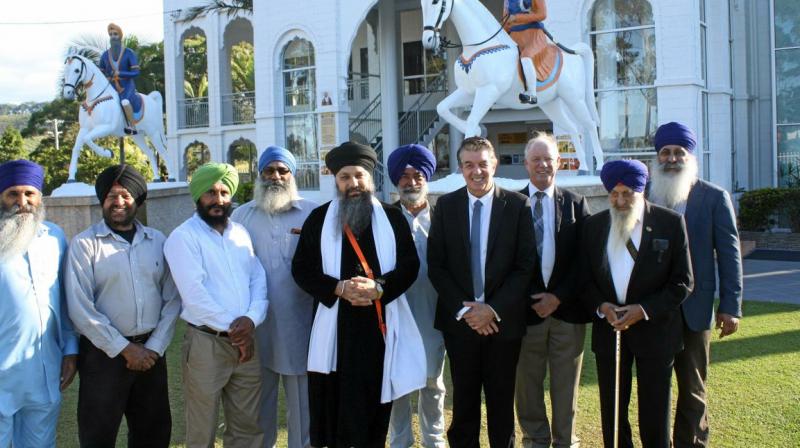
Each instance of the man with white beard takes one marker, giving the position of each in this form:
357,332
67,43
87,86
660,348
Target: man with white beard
637,272
714,247
410,168
274,218
39,350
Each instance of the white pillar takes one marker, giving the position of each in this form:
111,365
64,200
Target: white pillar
213,50
389,77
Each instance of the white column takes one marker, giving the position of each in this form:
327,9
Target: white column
389,76
213,50
173,78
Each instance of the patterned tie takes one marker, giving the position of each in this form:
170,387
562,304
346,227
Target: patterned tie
475,250
538,223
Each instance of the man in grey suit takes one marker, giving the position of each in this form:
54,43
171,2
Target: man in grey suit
711,227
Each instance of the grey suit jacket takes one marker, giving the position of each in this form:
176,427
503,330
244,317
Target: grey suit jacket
711,226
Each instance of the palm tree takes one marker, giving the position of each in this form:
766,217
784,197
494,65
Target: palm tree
227,7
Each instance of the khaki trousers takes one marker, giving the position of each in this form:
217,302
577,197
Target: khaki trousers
211,371
559,345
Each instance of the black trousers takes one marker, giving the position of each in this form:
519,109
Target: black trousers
691,370
488,364
653,377
108,390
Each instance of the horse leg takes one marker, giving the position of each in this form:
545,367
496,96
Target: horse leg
485,97
557,112
584,119
459,98
100,131
76,151
157,142
142,144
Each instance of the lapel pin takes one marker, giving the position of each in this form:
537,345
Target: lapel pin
649,229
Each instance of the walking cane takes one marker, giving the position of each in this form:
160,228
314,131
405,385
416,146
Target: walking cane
617,356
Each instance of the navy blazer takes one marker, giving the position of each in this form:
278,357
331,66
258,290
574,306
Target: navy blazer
660,281
571,210
510,259
711,225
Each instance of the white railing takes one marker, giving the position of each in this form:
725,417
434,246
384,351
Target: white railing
238,108
193,113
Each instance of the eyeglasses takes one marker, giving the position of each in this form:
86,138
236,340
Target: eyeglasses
269,171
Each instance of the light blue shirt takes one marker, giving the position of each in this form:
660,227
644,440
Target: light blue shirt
34,328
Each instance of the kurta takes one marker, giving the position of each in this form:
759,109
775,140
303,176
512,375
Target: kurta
126,69
34,326
345,405
283,337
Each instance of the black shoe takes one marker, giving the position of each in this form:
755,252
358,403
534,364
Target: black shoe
524,98
130,131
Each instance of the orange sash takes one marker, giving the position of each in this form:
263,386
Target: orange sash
365,265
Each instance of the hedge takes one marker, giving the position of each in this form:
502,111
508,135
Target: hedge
760,209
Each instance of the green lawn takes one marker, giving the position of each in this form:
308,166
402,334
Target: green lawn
754,387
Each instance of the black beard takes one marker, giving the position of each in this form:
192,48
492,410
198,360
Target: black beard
355,211
213,221
129,217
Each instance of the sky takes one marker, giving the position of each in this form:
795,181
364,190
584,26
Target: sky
32,54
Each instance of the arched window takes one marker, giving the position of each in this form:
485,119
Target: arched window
193,107
196,155
299,105
242,155
624,43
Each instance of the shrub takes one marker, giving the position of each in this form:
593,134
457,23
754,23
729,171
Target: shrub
244,193
761,209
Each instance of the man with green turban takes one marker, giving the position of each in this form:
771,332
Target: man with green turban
223,289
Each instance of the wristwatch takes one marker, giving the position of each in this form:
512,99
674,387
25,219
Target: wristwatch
379,288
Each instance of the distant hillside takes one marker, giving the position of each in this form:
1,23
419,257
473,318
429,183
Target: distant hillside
20,109
18,121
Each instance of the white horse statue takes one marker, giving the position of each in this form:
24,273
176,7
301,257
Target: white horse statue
101,115
487,74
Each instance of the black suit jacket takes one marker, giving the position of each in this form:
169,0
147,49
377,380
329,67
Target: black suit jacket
661,280
571,211
510,258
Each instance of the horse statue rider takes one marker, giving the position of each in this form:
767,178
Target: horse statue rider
524,23
121,67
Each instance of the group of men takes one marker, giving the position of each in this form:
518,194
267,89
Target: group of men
353,304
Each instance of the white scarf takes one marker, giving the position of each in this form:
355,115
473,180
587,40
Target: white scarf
404,364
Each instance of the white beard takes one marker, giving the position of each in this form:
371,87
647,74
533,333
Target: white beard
273,199
18,230
623,223
671,189
414,198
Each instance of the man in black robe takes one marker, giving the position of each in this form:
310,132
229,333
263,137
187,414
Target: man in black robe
345,402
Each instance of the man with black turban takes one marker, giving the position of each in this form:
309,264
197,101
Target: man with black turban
356,258
123,302
636,274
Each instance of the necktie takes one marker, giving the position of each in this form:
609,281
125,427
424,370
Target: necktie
538,223
475,250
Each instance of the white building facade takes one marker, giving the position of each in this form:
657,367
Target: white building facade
327,71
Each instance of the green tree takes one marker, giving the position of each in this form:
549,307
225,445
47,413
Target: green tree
243,72
229,8
195,65
12,146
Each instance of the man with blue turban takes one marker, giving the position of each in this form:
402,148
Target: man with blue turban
274,218
410,168
223,291
637,273
714,247
39,351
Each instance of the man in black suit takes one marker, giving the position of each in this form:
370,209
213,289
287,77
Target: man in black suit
556,322
637,272
480,260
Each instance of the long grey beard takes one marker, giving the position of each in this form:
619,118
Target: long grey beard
671,189
275,197
356,211
18,230
622,224
411,197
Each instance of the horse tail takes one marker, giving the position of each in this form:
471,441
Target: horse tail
156,96
587,55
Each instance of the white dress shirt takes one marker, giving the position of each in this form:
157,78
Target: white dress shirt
621,263
486,216
218,275
549,237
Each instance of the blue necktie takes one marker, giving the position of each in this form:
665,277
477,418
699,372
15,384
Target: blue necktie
538,223
475,250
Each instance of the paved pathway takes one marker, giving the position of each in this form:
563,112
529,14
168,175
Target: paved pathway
772,281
